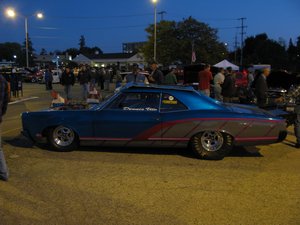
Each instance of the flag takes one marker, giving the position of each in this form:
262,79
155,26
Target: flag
193,56
193,53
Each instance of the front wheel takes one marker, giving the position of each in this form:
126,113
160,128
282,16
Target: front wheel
63,138
211,145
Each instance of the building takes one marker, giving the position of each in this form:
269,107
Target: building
122,60
111,59
131,47
43,60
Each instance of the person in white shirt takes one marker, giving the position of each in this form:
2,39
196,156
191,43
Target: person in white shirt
218,80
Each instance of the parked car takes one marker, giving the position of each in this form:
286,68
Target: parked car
156,116
33,76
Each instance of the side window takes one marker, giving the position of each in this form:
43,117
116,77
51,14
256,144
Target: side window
170,103
136,102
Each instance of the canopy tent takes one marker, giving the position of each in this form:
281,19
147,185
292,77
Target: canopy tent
224,64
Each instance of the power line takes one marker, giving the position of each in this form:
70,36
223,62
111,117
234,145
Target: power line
101,17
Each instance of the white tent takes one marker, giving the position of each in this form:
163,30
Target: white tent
81,59
224,64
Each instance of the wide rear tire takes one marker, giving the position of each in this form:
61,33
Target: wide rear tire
212,145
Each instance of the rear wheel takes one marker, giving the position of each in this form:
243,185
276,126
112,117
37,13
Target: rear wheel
211,145
63,138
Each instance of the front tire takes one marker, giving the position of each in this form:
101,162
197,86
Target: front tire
212,145
63,138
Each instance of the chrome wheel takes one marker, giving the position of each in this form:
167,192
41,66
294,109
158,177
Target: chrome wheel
63,136
212,140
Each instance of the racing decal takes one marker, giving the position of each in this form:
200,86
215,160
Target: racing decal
139,109
170,101
148,134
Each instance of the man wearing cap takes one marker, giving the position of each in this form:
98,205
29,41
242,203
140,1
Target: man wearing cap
156,74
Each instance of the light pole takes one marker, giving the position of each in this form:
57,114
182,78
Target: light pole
154,54
10,12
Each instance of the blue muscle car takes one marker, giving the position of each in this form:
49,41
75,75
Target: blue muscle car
156,116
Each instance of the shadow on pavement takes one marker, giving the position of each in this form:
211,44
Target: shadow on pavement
184,152
23,142
240,151
19,141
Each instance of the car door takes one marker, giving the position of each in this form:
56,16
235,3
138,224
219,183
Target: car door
132,117
175,123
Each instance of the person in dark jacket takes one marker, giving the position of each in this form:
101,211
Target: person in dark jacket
48,78
261,87
295,93
3,106
68,80
84,78
228,86
157,75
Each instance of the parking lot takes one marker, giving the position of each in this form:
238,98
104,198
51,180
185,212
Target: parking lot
254,185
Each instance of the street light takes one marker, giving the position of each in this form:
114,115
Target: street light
11,13
154,3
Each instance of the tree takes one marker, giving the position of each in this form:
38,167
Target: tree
9,49
31,51
208,48
167,42
72,52
292,56
43,52
175,40
81,42
262,50
87,51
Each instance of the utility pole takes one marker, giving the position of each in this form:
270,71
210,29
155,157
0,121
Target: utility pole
242,37
162,15
235,48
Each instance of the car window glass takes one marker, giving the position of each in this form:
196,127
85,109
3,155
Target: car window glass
171,103
136,102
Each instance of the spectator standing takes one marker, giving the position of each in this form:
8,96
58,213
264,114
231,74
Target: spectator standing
218,81
157,75
261,87
204,78
101,73
48,79
107,77
295,93
93,75
135,76
250,79
3,106
228,86
84,78
68,80
171,78
118,78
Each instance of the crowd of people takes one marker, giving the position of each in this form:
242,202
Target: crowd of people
94,80
225,88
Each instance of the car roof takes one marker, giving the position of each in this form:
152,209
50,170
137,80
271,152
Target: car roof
133,85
